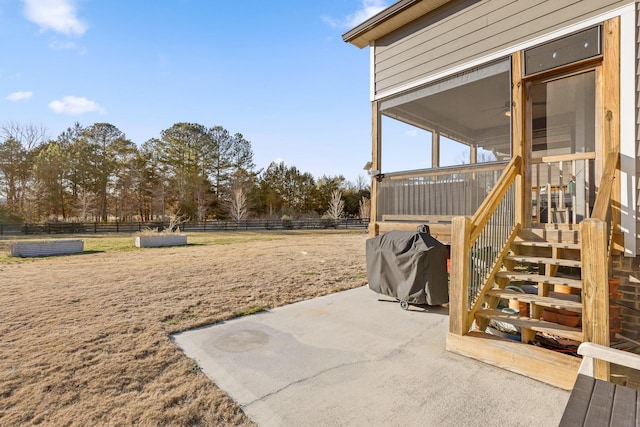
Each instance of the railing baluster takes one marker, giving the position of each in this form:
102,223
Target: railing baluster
489,244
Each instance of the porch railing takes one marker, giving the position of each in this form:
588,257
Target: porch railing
444,191
479,245
562,192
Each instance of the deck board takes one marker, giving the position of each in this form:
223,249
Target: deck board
599,412
576,409
624,408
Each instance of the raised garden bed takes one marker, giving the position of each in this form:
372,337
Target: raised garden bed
160,240
46,248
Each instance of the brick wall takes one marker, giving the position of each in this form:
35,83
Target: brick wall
628,298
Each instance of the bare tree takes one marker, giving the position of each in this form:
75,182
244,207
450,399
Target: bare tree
238,206
85,204
29,135
362,183
365,208
336,205
17,144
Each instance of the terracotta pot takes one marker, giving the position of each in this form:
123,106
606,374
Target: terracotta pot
614,310
564,289
522,307
561,316
615,322
569,320
614,282
550,316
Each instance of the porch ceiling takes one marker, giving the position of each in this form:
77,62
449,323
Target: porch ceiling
459,112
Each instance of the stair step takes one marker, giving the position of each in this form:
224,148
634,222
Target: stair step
544,260
533,324
537,278
538,300
551,234
545,244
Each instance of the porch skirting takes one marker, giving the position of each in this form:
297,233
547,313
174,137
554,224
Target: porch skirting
557,369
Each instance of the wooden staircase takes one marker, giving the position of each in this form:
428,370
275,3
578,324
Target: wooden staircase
547,262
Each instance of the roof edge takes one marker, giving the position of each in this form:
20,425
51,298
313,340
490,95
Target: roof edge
392,17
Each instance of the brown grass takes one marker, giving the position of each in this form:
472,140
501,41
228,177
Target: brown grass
84,339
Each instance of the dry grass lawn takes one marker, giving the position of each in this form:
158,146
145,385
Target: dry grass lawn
84,339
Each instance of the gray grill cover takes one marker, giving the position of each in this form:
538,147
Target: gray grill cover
409,266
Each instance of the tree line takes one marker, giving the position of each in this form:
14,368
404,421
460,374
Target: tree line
94,173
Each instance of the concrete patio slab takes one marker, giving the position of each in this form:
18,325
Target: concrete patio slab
347,359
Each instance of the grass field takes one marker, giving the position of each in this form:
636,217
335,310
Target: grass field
84,339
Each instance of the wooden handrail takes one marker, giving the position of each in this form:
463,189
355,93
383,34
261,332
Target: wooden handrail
446,170
465,232
483,214
601,205
564,158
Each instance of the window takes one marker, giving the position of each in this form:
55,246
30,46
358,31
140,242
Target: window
575,47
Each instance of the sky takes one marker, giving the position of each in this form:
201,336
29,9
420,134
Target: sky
278,72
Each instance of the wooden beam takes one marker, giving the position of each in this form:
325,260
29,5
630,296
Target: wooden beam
611,85
595,288
611,105
527,147
553,368
376,164
523,200
459,278
419,218
441,232
435,149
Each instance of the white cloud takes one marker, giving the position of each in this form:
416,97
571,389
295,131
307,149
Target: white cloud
56,15
56,44
366,11
73,105
411,133
19,96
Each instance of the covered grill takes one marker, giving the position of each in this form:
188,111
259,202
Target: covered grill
409,266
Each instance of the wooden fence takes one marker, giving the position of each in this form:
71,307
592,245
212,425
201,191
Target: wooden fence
195,226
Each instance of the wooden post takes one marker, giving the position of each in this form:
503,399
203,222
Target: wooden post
435,149
523,201
595,288
459,279
376,164
611,122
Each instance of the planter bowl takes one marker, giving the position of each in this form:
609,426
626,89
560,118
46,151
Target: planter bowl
561,316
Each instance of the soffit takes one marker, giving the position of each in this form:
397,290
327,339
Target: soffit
395,16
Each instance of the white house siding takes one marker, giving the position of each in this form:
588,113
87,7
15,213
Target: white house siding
638,128
466,30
